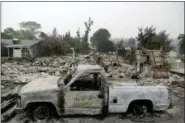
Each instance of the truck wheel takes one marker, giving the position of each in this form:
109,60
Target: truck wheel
41,112
139,109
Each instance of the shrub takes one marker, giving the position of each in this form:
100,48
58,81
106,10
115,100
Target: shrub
54,46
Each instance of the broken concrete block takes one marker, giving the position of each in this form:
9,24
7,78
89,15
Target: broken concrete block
174,83
22,79
43,69
175,77
2,87
54,64
181,79
122,75
44,74
106,68
32,70
57,73
115,64
87,57
108,74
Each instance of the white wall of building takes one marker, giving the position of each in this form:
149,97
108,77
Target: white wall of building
17,53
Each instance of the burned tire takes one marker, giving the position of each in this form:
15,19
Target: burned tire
41,112
139,109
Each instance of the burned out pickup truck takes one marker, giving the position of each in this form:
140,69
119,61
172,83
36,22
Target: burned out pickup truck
86,91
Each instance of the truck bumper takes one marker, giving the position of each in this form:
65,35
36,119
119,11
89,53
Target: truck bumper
19,110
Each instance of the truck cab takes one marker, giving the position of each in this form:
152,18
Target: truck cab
84,90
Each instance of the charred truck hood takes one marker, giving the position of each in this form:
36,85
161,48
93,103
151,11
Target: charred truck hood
41,85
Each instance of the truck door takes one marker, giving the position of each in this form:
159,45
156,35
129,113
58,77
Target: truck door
84,95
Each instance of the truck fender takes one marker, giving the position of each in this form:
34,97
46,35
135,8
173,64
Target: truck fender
148,103
32,105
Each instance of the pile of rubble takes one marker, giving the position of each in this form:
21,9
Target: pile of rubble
24,72
27,71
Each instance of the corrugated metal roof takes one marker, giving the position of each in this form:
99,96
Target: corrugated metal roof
24,43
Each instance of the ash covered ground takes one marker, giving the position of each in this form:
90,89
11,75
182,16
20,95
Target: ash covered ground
20,72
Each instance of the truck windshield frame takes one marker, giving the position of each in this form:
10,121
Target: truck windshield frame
67,78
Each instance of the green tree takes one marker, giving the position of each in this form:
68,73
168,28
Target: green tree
67,37
72,41
27,34
78,34
43,35
131,42
120,44
76,41
149,39
53,45
85,44
145,37
19,36
29,29
54,32
88,25
181,37
100,40
162,41
9,33
6,36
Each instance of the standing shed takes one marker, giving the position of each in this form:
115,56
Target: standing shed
17,48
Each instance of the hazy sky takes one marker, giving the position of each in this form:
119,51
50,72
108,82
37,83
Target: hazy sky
122,19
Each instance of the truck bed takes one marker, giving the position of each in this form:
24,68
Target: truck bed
123,82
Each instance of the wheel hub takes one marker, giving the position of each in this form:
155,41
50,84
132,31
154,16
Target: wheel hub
41,113
140,109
